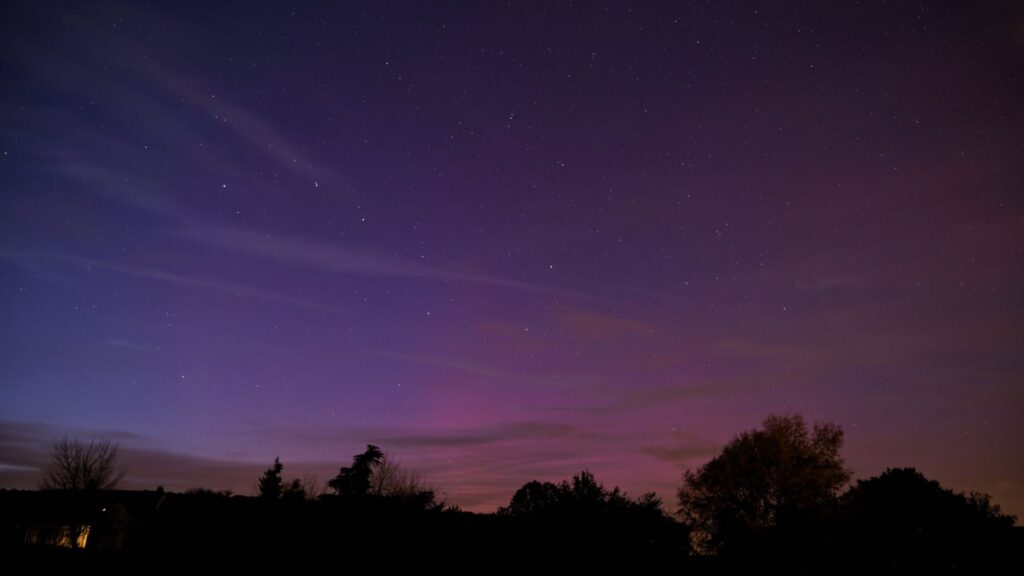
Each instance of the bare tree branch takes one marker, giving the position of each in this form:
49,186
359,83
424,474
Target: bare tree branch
77,466
390,478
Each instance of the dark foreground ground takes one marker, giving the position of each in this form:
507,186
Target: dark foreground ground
155,531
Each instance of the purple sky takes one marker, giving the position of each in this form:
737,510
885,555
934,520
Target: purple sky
511,241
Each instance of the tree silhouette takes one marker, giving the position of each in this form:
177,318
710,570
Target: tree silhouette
582,496
903,499
293,491
270,484
582,516
77,466
907,519
390,479
311,486
764,480
534,499
355,480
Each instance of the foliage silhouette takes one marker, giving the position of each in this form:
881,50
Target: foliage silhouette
581,514
294,491
270,485
582,495
779,478
355,480
769,501
907,520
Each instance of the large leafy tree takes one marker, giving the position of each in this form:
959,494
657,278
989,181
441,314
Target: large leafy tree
764,481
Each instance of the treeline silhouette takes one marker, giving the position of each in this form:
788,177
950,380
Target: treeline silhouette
776,497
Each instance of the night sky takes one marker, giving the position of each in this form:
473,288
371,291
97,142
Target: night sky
509,242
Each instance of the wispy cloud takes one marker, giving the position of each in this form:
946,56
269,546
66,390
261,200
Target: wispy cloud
121,186
317,255
164,92
682,455
469,367
487,436
164,276
617,400
26,445
599,326
402,437
159,87
478,467
259,133
25,449
833,283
